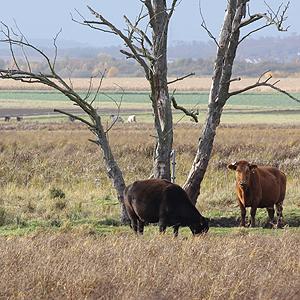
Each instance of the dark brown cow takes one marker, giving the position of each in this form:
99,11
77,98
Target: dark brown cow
160,201
259,187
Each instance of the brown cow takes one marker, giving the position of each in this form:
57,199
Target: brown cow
160,201
259,187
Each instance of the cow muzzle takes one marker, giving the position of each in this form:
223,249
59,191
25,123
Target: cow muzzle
243,184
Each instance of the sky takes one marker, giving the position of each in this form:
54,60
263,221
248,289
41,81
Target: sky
43,19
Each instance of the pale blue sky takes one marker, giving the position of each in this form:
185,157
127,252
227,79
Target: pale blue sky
43,19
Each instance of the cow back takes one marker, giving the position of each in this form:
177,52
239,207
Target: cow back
145,198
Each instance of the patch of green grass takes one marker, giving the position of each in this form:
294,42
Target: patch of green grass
231,218
258,100
221,224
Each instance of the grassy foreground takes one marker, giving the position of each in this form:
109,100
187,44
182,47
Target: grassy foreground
81,266
60,237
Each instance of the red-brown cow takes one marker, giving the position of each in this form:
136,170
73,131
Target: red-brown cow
160,201
259,187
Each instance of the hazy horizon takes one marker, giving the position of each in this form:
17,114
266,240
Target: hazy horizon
42,20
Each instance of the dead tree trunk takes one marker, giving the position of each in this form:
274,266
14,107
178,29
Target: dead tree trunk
112,168
227,45
151,54
161,102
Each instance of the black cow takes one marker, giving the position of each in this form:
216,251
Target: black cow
160,201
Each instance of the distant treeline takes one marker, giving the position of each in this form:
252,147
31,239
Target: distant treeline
255,56
86,67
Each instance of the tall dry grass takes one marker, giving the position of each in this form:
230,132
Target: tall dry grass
35,160
77,266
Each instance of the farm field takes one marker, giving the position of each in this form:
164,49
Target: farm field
135,84
245,108
60,235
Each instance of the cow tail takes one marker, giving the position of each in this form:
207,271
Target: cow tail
283,187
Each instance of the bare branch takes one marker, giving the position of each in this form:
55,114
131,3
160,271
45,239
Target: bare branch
234,79
94,141
262,75
272,18
278,17
150,9
260,83
90,24
172,9
22,47
99,87
252,19
188,113
134,28
136,55
181,78
205,27
75,117
55,48
118,105
7,35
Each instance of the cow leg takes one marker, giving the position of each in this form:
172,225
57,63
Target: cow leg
134,225
253,213
279,214
162,225
271,213
243,216
140,227
176,228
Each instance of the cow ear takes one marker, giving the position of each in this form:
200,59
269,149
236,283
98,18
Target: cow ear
252,166
232,166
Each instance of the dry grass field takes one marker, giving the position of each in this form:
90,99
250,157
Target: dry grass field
80,265
60,237
291,84
35,158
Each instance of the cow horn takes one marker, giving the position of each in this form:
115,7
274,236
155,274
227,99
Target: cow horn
232,166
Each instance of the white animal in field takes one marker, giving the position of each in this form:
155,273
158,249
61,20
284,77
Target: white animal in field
131,119
116,119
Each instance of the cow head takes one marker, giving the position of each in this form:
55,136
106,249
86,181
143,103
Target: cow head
200,228
243,171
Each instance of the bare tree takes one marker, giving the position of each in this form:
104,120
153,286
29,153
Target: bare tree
236,18
151,53
53,80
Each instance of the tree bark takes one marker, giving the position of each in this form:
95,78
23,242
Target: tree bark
202,157
160,98
113,171
219,93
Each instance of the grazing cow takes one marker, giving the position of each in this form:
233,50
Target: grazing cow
259,187
7,118
116,119
19,118
131,119
160,201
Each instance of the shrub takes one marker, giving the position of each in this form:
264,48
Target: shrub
57,193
